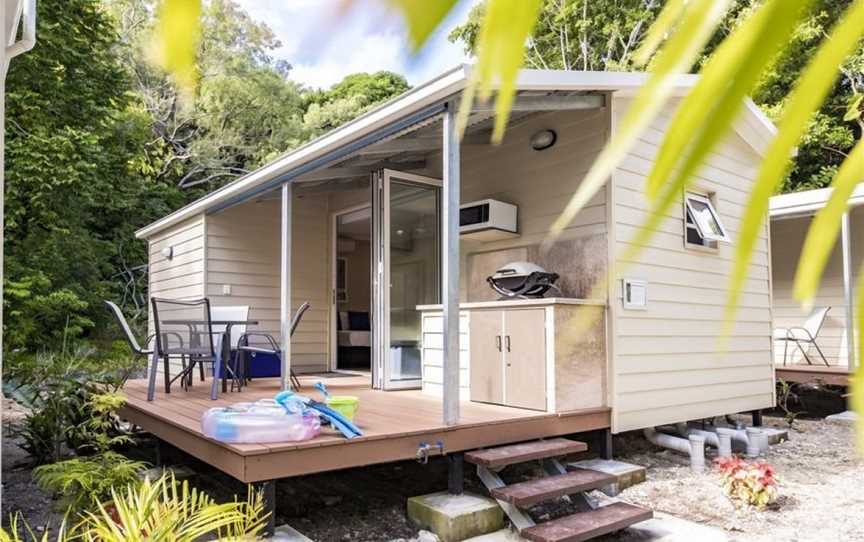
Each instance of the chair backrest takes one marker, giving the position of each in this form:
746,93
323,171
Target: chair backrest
124,325
298,315
184,326
233,313
814,322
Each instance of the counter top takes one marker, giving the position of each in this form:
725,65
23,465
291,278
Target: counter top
541,302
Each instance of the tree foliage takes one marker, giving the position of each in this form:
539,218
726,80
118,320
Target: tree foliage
100,143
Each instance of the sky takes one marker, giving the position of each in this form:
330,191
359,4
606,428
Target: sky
324,48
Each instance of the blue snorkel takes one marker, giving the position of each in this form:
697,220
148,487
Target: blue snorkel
296,404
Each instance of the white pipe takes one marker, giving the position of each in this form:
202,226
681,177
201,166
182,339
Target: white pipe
724,444
754,447
694,446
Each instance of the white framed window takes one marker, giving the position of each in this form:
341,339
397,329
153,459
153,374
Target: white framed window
702,225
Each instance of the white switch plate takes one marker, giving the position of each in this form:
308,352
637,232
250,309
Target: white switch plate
635,294
226,289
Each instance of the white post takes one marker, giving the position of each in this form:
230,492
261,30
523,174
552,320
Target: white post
285,284
849,300
450,265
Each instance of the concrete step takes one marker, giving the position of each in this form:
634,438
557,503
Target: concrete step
527,451
588,525
529,493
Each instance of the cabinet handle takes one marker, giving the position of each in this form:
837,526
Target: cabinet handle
507,342
498,342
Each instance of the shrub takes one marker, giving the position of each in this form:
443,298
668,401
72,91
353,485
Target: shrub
750,484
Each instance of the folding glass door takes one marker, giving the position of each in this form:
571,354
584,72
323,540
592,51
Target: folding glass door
406,255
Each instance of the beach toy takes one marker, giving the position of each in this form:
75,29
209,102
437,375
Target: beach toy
346,405
291,402
260,422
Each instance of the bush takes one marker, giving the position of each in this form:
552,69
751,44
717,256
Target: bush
57,388
751,484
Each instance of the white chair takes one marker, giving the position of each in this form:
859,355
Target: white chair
806,334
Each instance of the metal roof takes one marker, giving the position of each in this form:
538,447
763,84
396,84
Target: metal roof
416,106
808,202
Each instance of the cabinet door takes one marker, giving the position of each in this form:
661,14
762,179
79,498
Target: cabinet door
487,372
525,358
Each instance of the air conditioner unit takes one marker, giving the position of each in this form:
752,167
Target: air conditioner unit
488,220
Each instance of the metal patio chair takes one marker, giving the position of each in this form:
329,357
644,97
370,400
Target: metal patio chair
805,334
270,345
137,349
184,329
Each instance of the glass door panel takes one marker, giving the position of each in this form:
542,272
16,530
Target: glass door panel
408,242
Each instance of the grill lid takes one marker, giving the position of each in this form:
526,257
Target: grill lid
522,280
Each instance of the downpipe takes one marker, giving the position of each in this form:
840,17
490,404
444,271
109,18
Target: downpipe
694,446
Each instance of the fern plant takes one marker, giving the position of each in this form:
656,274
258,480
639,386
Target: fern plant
166,510
84,482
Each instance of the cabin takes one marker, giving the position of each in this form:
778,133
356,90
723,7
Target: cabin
791,215
390,225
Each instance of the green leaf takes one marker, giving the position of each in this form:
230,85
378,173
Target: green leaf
178,33
822,233
676,57
810,91
853,112
422,17
500,54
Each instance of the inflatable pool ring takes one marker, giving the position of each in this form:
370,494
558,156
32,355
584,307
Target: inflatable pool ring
260,422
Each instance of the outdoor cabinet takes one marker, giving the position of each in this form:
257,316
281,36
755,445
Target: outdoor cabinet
544,354
508,353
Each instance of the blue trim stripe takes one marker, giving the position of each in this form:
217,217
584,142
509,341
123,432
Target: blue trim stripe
331,156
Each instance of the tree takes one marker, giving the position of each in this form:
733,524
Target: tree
244,111
576,34
74,189
349,98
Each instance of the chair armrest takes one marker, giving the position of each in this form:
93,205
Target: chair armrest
791,329
244,339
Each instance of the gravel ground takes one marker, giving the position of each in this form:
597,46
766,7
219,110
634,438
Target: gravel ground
821,485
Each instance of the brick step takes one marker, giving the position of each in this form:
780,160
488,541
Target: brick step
588,525
527,451
529,493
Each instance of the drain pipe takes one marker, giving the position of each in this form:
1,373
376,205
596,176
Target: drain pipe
753,439
694,446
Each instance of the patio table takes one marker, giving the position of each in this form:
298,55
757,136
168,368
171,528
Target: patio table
225,357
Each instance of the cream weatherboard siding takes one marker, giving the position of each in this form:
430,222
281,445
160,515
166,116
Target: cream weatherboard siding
182,276
243,257
787,239
669,363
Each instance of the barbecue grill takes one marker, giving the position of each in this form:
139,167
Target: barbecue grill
522,280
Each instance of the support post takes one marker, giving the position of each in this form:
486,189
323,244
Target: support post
848,299
757,418
285,285
606,451
450,265
455,473
268,496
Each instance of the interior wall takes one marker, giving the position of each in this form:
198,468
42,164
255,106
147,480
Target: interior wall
357,281
243,253
787,239
671,360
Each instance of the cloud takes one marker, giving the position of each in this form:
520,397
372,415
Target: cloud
324,47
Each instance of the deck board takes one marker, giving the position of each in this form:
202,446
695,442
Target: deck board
394,424
806,374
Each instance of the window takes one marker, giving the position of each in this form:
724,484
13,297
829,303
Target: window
703,226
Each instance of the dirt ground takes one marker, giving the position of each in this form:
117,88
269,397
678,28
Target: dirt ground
821,491
821,487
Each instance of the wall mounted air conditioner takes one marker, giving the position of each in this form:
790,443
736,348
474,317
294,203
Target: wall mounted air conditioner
488,220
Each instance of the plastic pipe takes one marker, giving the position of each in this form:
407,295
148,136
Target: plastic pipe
724,444
694,447
697,453
753,437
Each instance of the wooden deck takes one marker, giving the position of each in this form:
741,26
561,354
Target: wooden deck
394,425
812,374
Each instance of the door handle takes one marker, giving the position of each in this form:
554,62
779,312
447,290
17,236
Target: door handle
498,342
507,342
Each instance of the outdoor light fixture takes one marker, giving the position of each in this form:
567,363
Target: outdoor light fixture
543,139
168,252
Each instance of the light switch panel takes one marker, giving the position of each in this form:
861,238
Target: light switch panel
226,289
635,294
